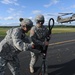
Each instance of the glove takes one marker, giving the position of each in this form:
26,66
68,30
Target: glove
32,46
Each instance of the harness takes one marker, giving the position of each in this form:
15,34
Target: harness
40,33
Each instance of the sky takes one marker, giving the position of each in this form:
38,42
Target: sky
12,10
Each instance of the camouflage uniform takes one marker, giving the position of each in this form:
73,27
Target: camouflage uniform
14,42
38,39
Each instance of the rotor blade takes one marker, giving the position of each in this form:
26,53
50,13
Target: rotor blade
65,13
51,15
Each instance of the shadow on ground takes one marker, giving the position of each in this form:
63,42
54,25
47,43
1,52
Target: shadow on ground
63,69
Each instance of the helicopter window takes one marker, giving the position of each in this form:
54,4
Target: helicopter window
73,15
59,17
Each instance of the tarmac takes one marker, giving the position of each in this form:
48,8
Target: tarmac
60,56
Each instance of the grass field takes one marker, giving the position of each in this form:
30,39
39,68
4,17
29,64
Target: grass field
3,31
63,30
55,30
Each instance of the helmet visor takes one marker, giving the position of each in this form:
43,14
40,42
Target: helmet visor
42,21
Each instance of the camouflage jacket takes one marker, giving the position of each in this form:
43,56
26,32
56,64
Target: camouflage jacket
39,35
14,42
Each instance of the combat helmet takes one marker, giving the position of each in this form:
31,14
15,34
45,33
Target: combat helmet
26,22
39,18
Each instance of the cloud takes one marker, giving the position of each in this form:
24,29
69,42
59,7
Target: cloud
23,6
10,24
15,13
10,10
9,21
48,16
30,17
53,2
36,11
73,6
10,2
68,8
1,18
9,18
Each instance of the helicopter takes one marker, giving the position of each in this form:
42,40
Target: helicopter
60,19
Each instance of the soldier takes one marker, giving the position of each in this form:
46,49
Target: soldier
14,42
38,33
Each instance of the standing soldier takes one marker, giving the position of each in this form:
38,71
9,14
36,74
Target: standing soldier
38,34
14,42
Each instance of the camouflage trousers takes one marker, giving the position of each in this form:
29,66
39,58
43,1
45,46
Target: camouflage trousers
13,65
34,58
